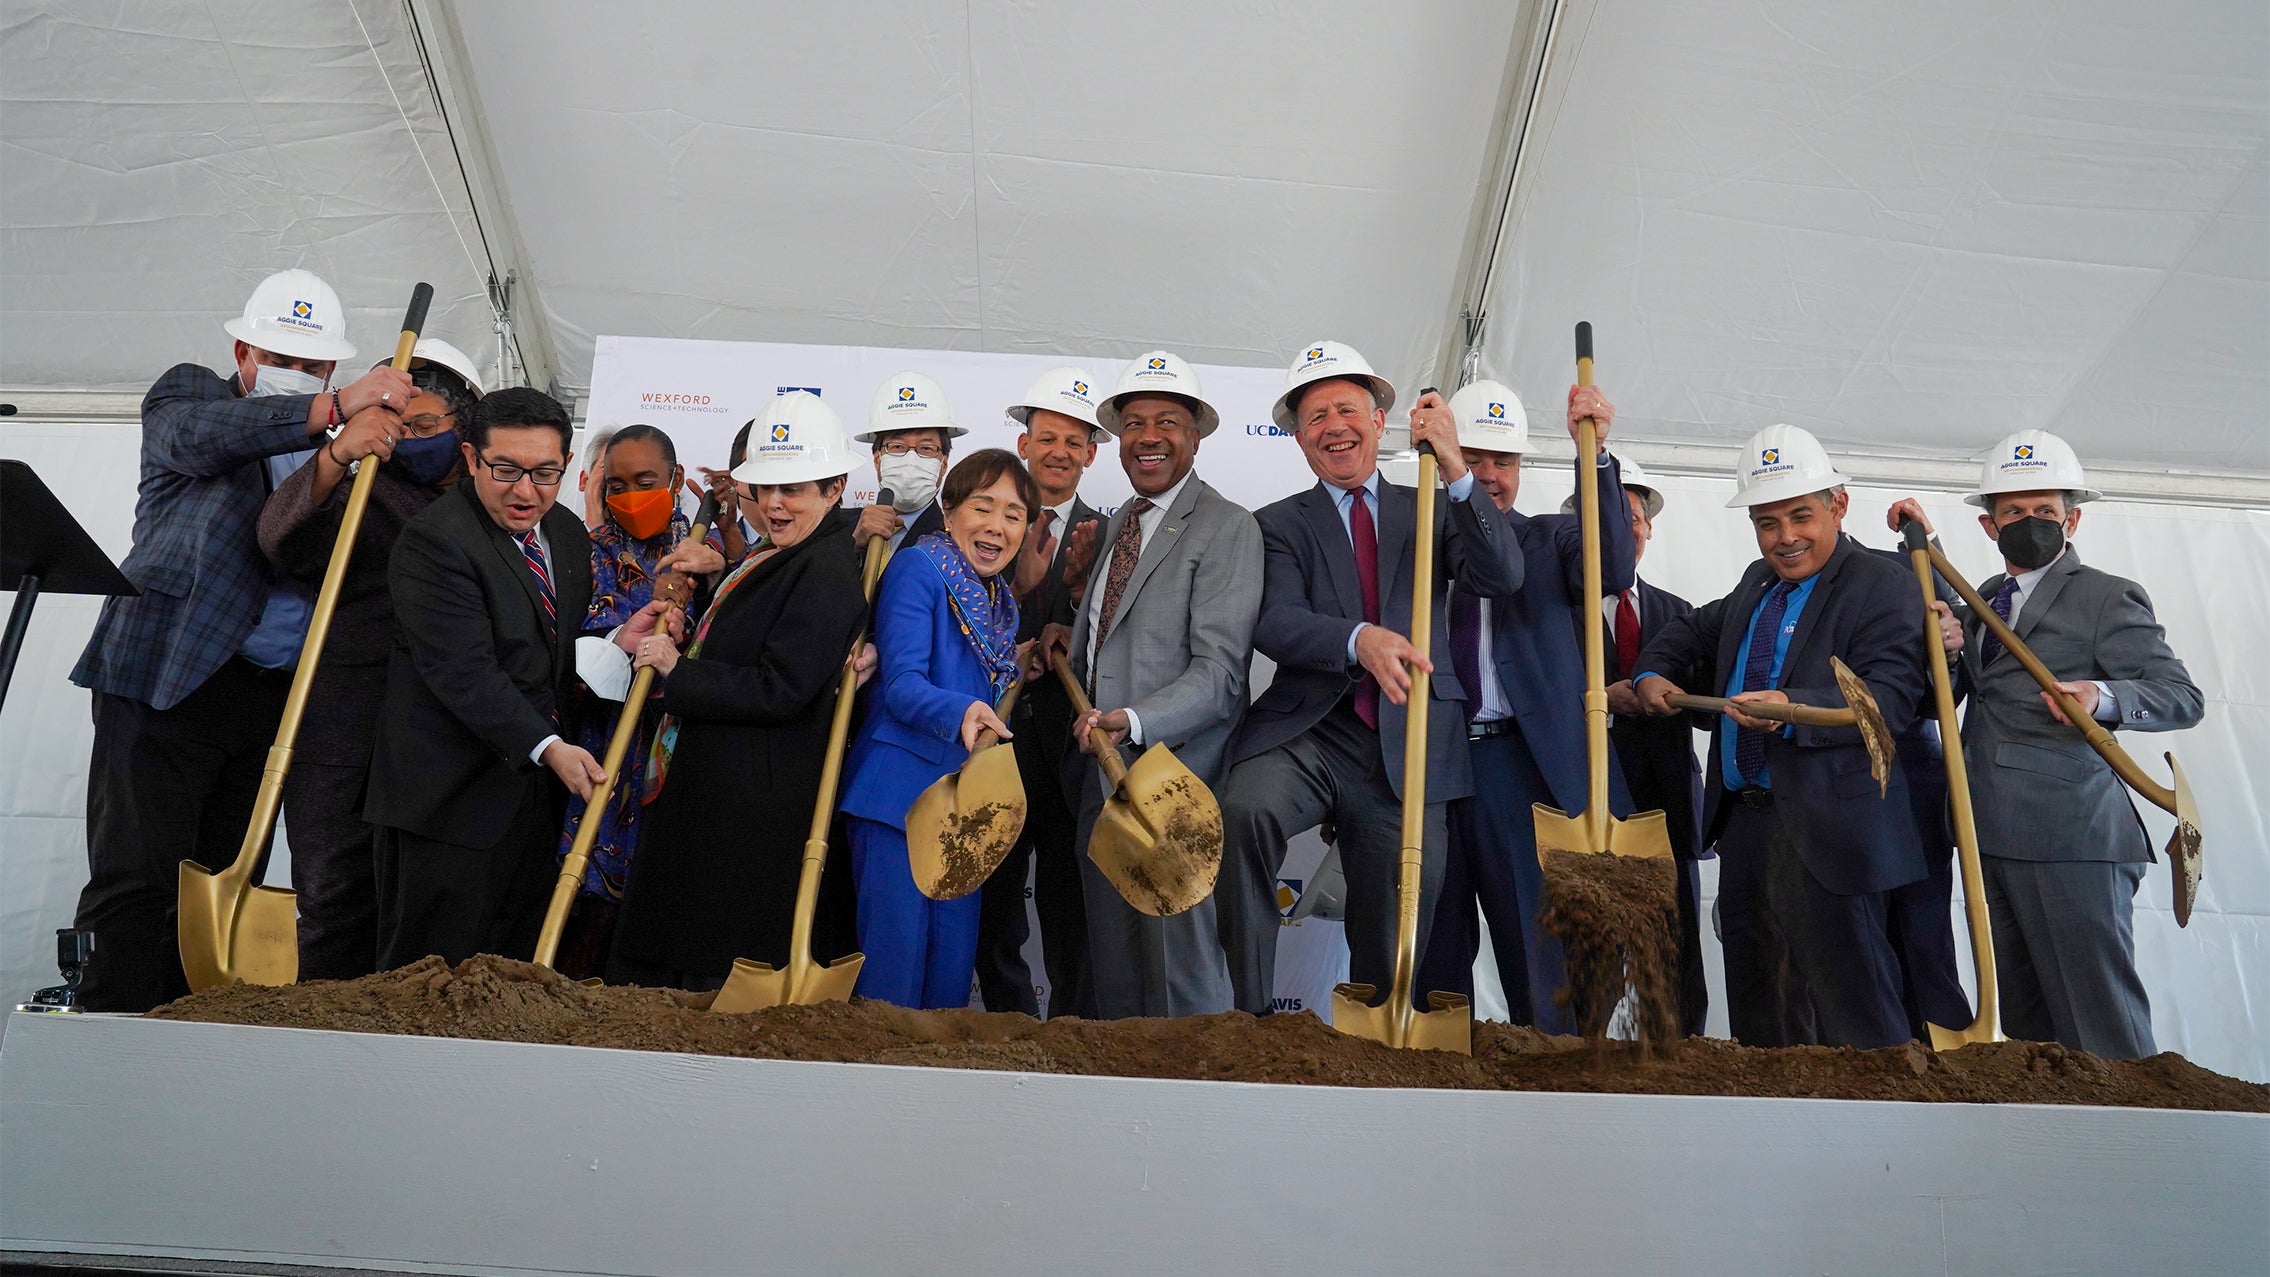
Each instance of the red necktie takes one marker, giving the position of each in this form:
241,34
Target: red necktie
1366,538
1627,636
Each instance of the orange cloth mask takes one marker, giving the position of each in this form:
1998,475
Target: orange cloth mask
643,514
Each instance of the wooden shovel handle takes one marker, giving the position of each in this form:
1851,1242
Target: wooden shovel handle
1806,715
1114,767
987,738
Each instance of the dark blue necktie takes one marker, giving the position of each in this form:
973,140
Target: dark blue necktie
1989,646
1750,746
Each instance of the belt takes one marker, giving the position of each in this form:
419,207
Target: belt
1485,730
1752,796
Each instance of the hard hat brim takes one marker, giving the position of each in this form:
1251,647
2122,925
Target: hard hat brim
797,470
1785,488
2081,496
870,435
1107,412
294,345
1382,395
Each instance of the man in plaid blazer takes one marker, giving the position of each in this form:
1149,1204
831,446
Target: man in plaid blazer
189,676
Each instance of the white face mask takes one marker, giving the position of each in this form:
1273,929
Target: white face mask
912,479
271,380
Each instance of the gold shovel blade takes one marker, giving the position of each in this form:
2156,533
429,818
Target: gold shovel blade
961,828
2183,847
1956,1039
259,946
1869,719
1159,836
753,986
1643,836
1448,1026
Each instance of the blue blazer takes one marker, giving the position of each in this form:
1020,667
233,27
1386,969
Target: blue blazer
1536,639
927,676
1865,610
196,552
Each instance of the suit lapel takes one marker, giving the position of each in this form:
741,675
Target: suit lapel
1398,517
1161,544
1736,625
1320,505
1053,588
571,582
2046,590
516,563
1816,602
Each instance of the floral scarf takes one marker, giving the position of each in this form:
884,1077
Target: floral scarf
986,612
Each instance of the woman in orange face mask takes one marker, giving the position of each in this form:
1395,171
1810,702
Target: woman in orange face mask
632,547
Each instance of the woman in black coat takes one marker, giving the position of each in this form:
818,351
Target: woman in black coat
749,705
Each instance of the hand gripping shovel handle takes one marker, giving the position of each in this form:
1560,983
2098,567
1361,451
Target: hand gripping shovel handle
1987,1027
1114,767
578,857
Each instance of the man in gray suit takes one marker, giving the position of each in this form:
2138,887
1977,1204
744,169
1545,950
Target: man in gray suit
1162,638
2059,840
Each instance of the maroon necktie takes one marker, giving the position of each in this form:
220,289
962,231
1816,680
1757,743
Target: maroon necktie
1366,538
1627,636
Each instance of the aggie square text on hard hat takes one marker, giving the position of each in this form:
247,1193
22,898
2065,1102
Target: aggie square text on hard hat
295,314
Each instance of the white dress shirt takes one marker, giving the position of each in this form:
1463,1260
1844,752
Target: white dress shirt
1149,524
2108,708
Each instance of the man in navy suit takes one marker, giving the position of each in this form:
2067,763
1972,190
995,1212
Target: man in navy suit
1521,660
1809,854
1325,742
189,676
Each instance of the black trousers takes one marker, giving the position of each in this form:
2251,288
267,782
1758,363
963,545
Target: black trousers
447,898
331,871
1049,852
1765,1004
164,786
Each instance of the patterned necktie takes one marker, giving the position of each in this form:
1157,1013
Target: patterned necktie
1466,647
1990,647
1750,746
1126,551
534,553
1366,538
1627,636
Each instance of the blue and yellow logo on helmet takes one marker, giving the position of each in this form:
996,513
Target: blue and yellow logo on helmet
906,394
780,433
1497,410
2023,452
303,310
1157,364
1769,456
1314,352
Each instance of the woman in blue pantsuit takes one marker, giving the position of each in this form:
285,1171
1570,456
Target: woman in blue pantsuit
946,639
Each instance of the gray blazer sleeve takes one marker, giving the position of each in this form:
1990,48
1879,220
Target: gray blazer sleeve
2153,690
1225,602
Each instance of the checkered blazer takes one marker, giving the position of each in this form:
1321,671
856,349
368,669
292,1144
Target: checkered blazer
196,556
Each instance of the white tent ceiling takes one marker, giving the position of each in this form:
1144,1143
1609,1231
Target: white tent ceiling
1911,228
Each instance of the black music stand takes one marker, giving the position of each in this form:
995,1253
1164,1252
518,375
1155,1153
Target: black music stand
43,548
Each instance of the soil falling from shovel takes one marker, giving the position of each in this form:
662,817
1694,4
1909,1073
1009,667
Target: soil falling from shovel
1618,923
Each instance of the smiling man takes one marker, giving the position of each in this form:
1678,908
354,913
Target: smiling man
1808,851
470,771
1325,742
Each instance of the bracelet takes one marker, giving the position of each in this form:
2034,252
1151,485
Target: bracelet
338,414
332,456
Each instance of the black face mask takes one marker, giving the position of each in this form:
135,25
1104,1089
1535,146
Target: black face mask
2032,542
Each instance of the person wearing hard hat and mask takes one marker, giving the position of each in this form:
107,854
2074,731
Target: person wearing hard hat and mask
1057,444
911,428
1657,755
1521,660
323,793
189,676
2060,843
1808,852
1325,741
749,703
1163,641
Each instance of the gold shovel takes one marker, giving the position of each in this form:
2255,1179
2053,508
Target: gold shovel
966,823
1860,712
1596,831
229,928
618,747
1987,1025
1448,1023
1159,836
2184,843
751,986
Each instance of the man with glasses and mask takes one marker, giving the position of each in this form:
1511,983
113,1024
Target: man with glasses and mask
472,766
911,428
2059,841
189,676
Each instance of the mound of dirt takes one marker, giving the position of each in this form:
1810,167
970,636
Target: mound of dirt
502,1000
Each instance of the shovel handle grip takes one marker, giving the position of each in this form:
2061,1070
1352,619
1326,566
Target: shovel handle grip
1114,767
413,323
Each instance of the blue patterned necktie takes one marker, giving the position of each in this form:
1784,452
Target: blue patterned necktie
1990,647
1750,746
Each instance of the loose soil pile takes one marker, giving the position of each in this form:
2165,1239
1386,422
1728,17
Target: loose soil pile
503,1000
1617,918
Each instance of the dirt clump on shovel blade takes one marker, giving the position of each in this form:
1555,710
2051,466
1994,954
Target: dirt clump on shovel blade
1617,921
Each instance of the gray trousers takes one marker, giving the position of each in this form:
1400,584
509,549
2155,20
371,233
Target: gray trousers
2065,954
1138,964
1332,771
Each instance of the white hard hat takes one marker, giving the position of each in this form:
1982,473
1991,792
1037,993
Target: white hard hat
1635,480
1067,390
799,439
1320,361
2032,461
433,350
294,313
1781,463
1490,418
1158,372
909,401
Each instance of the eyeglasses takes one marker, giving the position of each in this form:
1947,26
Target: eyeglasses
425,423
506,472
900,447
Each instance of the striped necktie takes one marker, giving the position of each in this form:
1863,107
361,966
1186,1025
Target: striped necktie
534,553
